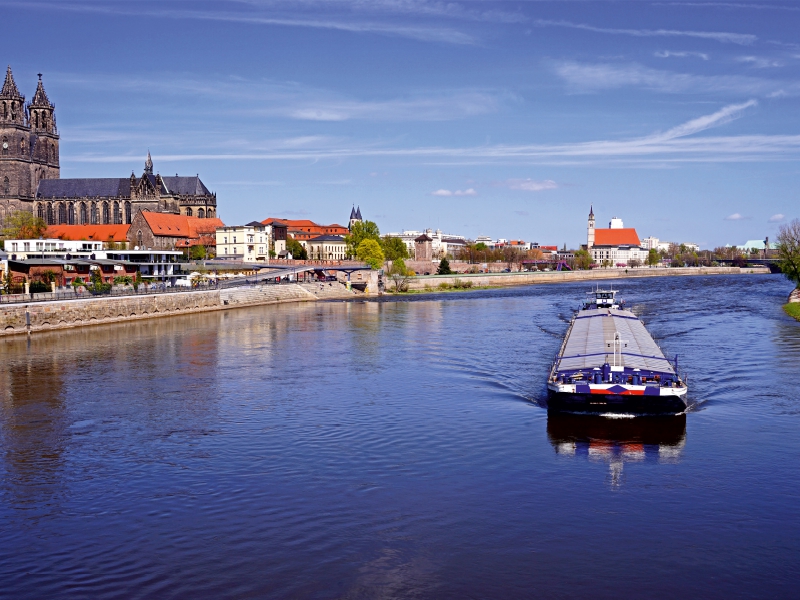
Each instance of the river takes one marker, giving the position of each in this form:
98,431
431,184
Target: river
400,449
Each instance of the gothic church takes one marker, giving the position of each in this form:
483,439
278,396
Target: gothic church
30,174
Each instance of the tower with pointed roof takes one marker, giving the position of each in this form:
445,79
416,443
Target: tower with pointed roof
29,143
355,217
590,229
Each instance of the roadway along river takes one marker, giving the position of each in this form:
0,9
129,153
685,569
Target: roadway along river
400,449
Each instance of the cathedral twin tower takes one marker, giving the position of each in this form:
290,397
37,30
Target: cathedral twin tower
30,177
28,145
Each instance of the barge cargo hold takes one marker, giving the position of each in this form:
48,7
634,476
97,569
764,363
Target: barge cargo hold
609,363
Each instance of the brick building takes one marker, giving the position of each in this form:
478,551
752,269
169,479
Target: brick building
164,231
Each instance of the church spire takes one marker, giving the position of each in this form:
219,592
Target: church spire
10,91
40,99
148,164
591,211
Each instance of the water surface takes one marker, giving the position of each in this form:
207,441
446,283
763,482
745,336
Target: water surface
400,449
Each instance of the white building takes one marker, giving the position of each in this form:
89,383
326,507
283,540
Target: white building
244,243
615,245
24,247
442,244
326,247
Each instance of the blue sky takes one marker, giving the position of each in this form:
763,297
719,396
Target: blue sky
505,119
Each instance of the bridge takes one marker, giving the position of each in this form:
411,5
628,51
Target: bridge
276,273
772,263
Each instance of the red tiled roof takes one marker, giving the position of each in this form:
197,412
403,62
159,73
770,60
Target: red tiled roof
616,237
102,233
555,248
306,226
171,225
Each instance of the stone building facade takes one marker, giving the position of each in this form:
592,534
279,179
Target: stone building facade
30,174
28,145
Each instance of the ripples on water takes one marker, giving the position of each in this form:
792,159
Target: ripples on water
399,449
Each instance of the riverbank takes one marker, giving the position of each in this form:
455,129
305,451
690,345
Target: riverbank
431,283
21,319
793,310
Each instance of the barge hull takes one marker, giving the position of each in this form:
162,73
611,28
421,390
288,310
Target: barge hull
614,403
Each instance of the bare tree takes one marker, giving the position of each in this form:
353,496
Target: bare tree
789,250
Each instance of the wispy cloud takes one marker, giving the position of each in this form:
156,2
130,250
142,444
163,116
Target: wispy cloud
669,54
678,144
447,193
530,185
719,36
759,62
595,77
776,218
425,33
734,217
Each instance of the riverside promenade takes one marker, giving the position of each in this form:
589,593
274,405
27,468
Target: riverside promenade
33,317
430,282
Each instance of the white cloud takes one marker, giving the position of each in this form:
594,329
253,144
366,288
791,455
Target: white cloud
719,36
531,185
668,54
734,217
596,77
467,192
759,62
776,218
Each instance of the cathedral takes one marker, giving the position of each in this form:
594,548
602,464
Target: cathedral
30,174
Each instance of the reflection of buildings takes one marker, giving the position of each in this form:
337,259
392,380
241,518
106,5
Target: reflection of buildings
617,441
33,425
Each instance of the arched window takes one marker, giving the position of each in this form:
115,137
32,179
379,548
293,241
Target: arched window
40,212
62,214
50,220
105,213
93,213
71,214
139,239
209,214
6,186
117,214
127,213
201,213
189,212
37,119
83,214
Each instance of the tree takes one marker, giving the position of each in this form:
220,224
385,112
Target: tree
480,247
393,248
360,231
295,248
444,267
583,260
653,258
197,252
22,225
8,281
789,251
510,256
400,275
370,252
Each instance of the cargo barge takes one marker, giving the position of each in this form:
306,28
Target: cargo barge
609,363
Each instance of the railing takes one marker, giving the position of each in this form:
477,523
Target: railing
85,294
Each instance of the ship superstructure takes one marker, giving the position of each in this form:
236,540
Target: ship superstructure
608,362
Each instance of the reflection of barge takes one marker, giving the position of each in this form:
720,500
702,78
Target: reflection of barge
610,363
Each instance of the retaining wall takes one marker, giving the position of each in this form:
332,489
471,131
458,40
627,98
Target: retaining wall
45,316
508,279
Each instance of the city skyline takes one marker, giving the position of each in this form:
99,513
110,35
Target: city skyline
479,118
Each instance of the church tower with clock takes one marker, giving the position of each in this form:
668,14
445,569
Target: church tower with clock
28,145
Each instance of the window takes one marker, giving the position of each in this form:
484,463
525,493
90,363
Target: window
6,186
117,214
139,238
5,146
62,214
71,214
40,211
93,213
105,213
189,212
26,246
201,213
83,214
127,213
226,240
50,220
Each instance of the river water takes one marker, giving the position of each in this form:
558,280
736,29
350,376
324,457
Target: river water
400,449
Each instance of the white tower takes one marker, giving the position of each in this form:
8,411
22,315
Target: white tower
590,231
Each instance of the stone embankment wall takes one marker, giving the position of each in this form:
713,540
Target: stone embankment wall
508,279
44,316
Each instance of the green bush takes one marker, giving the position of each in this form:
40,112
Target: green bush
37,287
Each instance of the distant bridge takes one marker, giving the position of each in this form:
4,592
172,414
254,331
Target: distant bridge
278,272
771,263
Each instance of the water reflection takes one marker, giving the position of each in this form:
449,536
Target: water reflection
617,441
